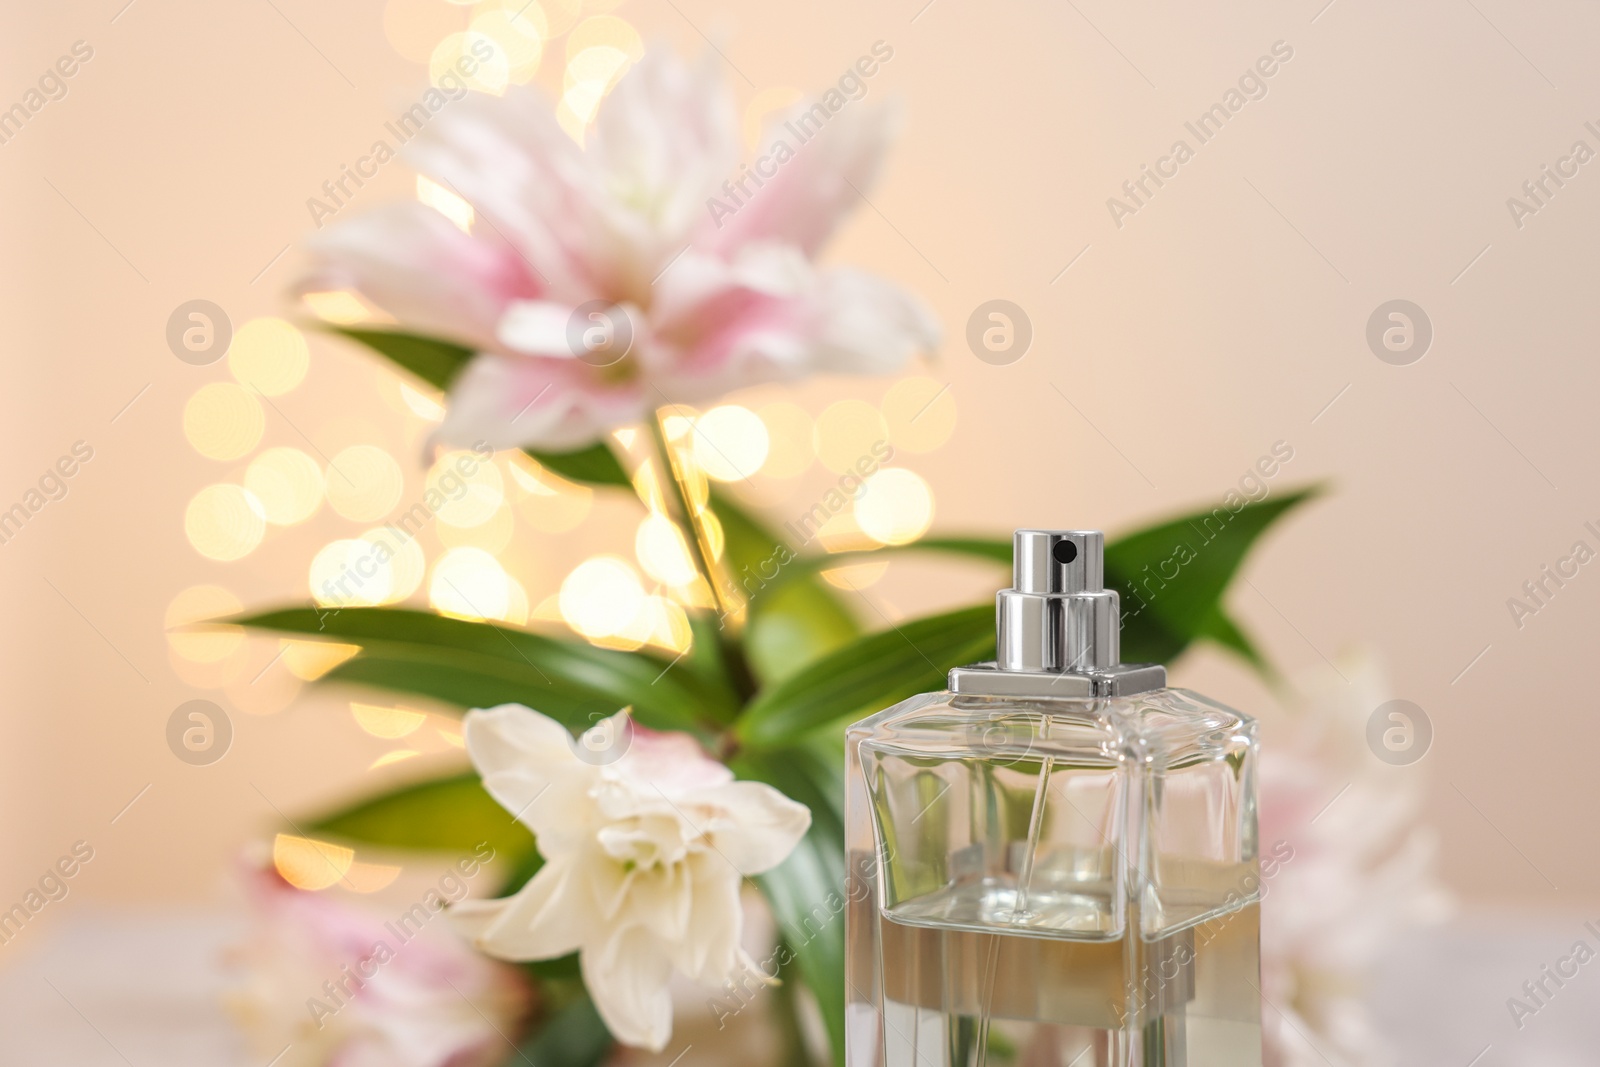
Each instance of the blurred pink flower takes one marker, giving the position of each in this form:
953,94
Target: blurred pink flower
646,844
599,283
327,985
1362,871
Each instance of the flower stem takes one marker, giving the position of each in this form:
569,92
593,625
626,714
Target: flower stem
730,610
675,488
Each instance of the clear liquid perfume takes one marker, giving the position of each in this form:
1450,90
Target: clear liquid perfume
1059,852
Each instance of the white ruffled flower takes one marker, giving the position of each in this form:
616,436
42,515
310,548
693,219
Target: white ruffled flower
644,856
1361,872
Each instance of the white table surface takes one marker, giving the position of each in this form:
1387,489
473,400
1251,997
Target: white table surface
104,990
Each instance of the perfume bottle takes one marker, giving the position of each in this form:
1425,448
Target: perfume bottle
1054,861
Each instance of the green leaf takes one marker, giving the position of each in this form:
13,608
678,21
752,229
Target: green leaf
521,873
1172,577
595,465
793,627
871,672
811,772
1146,639
438,362
795,623
789,1030
709,660
1167,604
989,549
453,814
808,891
1221,628
434,361
568,968
464,681
575,1036
564,675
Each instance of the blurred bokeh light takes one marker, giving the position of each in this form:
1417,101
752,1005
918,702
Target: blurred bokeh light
223,421
224,522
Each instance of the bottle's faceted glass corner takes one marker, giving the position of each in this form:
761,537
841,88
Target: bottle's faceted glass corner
1053,881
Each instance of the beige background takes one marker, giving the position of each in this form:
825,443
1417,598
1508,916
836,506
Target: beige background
1222,317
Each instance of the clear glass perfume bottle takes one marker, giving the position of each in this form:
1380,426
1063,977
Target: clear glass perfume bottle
1056,858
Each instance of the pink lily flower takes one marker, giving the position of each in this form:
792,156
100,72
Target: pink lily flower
599,283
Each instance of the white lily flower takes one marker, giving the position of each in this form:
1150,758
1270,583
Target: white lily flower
646,843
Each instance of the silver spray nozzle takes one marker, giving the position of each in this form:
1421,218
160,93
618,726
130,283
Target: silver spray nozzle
1057,616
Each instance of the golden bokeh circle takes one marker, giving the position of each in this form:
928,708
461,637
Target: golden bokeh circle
351,573
414,27
469,583
340,306
224,522
848,432
730,443
428,406
605,31
364,483
601,597
446,202
590,75
895,507
310,660
548,503
791,448
560,16
288,483
471,487
661,622
223,420
269,356
519,37
492,535
490,75
266,685
600,66
200,604
650,489
662,551
406,561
